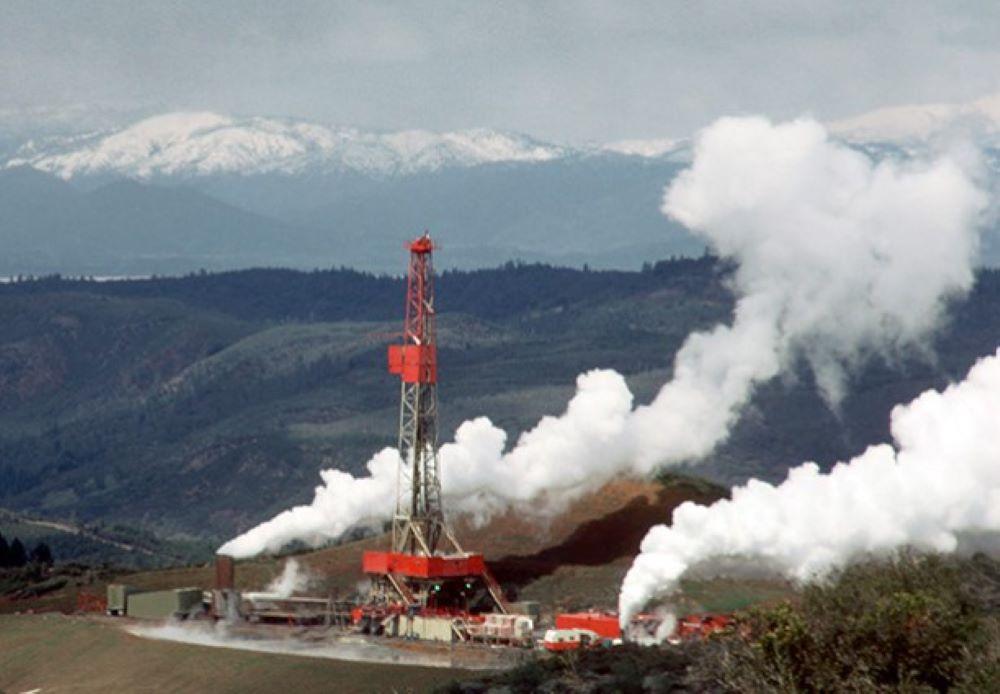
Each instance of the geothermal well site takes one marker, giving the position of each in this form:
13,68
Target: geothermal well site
405,580
425,599
425,593
499,348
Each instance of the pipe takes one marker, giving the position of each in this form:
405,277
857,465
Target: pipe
225,572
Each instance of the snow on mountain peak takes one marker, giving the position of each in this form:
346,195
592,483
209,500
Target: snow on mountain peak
917,122
656,147
202,143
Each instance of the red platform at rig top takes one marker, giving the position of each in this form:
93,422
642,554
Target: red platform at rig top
414,363
415,566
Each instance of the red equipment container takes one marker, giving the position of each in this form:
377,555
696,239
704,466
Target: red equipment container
604,624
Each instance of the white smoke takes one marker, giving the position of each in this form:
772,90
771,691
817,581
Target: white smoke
940,481
837,258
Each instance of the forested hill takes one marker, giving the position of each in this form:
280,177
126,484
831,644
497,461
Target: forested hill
190,408
346,294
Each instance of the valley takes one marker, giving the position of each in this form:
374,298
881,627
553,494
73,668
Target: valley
185,410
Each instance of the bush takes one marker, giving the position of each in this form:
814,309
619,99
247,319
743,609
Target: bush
906,623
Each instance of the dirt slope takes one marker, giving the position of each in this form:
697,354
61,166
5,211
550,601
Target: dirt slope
601,532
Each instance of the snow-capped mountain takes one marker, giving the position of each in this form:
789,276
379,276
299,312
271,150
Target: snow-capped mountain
204,143
920,122
219,192
265,191
197,144
200,144
655,147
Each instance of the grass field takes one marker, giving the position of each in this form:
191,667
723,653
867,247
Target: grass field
59,653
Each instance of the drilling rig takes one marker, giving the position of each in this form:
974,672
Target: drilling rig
426,571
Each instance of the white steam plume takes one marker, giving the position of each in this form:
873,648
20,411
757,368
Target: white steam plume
836,258
940,481
291,580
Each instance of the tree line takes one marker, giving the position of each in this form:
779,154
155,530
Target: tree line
14,554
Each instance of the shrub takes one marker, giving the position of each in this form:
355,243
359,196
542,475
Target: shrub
904,623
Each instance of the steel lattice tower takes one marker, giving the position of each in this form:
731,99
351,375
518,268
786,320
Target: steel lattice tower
418,525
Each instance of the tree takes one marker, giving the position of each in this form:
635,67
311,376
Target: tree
18,556
41,554
4,552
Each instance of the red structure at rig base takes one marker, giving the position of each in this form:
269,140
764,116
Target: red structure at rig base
416,572
416,566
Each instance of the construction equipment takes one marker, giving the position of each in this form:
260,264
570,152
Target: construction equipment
426,569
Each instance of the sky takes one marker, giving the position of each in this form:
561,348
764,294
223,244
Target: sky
583,71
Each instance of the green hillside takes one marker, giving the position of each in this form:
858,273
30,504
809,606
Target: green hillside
189,409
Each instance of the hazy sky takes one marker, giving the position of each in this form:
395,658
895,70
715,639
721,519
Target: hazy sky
568,71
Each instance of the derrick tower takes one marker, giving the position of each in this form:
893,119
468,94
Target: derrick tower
418,524
426,568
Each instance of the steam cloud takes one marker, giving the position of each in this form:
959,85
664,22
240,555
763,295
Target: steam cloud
941,481
837,258
220,635
291,580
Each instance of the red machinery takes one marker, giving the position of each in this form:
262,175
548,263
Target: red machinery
579,629
604,624
416,570
700,626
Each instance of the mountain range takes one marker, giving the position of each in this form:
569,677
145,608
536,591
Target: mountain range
179,192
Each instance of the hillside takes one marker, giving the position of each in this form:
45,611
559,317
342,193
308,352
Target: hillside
192,408
128,227
573,560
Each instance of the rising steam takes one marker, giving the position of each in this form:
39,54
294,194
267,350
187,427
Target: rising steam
941,481
837,258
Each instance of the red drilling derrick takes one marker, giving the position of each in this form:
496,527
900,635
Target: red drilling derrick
416,570
418,524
